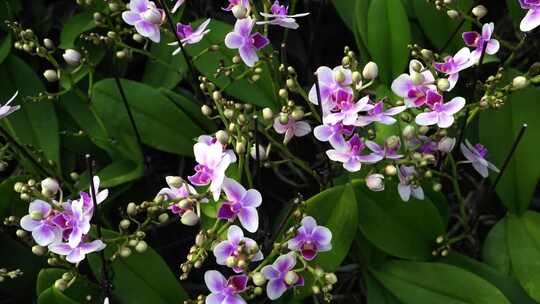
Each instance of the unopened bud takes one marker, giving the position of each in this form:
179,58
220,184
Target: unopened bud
339,76
519,82
375,182
240,147
72,57
297,114
416,66
230,261
443,84
125,252
356,77
453,14
131,209
426,54
48,43
239,11
258,279
408,132
138,38
60,284
189,218
38,250
51,185
331,278
370,71
262,152
142,246
390,170
50,75
283,93
162,218
417,78
446,144
267,114
206,110
479,11
222,137
291,278
36,215
21,233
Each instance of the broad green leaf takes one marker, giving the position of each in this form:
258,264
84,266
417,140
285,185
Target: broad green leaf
498,131
403,229
10,202
77,292
5,47
188,103
74,27
388,35
515,11
35,123
438,27
376,293
54,296
495,248
428,283
261,93
141,278
168,76
160,122
346,10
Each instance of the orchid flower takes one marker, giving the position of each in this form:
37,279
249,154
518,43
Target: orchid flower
229,248
330,86
281,276
384,151
174,193
6,109
74,221
346,110
280,17
240,203
241,3
476,155
477,40
350,155
247,43
414,93
212,163
311,239
78,253
177,5
452,65
146,18
39,222
292,128
442,114
333,133
188,36
376,114
532,18
405,188
225,291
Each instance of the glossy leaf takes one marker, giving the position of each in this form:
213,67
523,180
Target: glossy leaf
74,27
156,74
377,293
495,249
5,47
77,292
427,283
388,34
11,204
498,131
54,296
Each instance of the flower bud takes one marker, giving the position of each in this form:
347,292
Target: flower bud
453,14
283,93
60,284
426,54
162,218
446,144
370,71
267,114
50,75
443,84
125,252
417,78
290,83
283,118
291,278
206,110
408,132
239,11
38,250
297,114
390,170
416,66
200,239
141,247
230,261
519,82
392,142
124,224
375,182
48,43
240,148
138,38
72,57
74,176
21,233
331,278
189,218
50,184
262,152
174,181
356,77
222,137
339,76
437,187
479,11
423,129
258,279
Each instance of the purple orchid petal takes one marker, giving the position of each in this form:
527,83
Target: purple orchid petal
215,281
531,20
275,289
234,190
249,218
252,198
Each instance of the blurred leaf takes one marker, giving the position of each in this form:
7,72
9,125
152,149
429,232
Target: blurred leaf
10,202
410,228
76,293
515,11
376,293
498,130
346,10
54,296
388,35
5,47
35,123
261,93
166,127
74,27
428,283
142,278
438,27
157,75
495,248
188,103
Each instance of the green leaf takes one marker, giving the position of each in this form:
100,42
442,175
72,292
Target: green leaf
376,293
438,27
388,35
515,11
10,203
5,47
495,249
410,228
427,283
141,278
346,10
261,93
157,75
160,122
498,130
74,27
35,123
187,103
54,296
77,292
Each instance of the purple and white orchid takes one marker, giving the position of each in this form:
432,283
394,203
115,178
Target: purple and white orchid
333,133
6,109
311,239
405,188
330,84
442,114
189,36
350,155
477,41
452,65
377,114
384,151
291,129
225,291
39,222
476,155
280,16
146,17
281,276
229,248
532,18
346,110
77,253
243,4
240,203
247,43
414,93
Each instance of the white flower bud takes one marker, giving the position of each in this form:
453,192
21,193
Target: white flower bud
258,279
370,71
417,78
291,278
38,250
416,66
189,218
131,209
267,114
331,278
479,11
72,57
240,148
356,77
339,76
446,144
453,14
162,218
125,252
206,110
409,132
124,224
262,152
21,233
50,184
519,82
174,181
222,137
141,247
138,38
50,75
48,43
239,11
297,114
443,84
392,142
390,170
375,182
